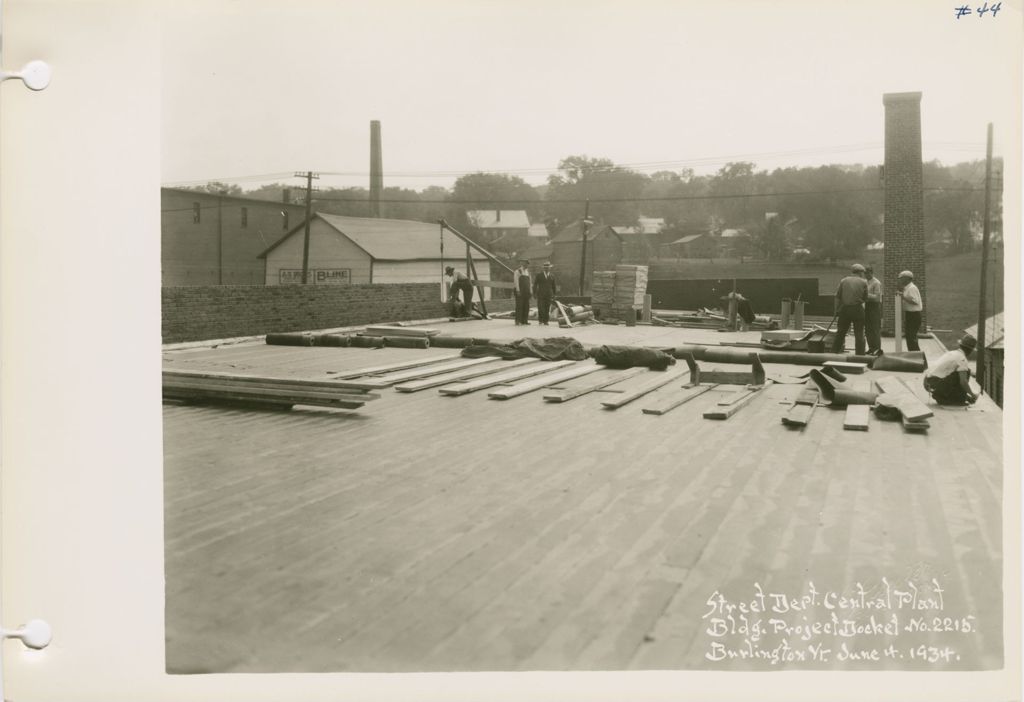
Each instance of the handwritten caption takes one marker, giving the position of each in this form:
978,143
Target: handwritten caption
825,626
981,11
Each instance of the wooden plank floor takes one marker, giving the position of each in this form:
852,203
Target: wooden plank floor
431,533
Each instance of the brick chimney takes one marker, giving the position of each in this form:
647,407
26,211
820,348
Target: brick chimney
904,199
376,169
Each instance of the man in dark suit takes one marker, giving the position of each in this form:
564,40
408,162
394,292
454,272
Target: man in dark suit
544,289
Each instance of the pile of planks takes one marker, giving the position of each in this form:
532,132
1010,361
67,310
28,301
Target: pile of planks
602,293
277,393
897,398
630,288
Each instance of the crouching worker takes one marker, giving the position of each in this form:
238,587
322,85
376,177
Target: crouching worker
947,381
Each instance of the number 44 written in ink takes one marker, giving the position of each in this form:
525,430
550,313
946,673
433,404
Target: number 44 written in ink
965,10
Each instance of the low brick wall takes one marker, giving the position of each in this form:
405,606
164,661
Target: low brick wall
221,312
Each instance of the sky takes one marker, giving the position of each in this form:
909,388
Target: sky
254,91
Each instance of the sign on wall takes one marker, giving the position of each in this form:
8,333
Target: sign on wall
320,276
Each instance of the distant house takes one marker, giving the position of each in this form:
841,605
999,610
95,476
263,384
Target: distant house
347,250
494,224
995,336
691,246
209,239
733,242
539,231
604,249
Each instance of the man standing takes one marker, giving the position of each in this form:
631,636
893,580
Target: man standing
544,290
851,295
521,291
873,312
947,381
912,306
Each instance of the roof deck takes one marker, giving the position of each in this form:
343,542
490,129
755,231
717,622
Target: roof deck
433,533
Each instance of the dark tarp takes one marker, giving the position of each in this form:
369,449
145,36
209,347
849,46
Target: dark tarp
633,357
552,349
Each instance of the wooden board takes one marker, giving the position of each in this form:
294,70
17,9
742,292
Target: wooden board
909,405
689,392
341,375
240,379
427,371
466,374
857,417
736,395
565,315
844,367
387,330
735,407
664,378
566,395
500,378
265,396
545,380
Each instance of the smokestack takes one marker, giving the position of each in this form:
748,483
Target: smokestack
904,198
376,169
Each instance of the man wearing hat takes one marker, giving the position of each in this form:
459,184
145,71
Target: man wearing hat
459,281
912,306
873,312
947,381
521,291
544,289
851,295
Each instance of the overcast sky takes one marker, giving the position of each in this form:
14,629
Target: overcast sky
253,88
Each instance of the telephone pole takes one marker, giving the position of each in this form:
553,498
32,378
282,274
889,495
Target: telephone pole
309,176
980,371
584,228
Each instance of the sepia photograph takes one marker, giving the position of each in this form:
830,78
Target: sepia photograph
507,350
755,423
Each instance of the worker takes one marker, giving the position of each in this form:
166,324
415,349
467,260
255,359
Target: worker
521,291
460,282
947,381
544,289
873,313
851,295
912,307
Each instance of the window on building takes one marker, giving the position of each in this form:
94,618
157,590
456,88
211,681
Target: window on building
195,213
284,219
245,217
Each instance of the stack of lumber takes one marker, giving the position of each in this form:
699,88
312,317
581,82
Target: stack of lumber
630,288
896,393
602,293
280,393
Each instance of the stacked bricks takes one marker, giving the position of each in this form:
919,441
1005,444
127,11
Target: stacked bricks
904,200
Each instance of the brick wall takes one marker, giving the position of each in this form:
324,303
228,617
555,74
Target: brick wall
904,199
219,312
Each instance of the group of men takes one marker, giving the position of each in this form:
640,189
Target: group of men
859,304
542,286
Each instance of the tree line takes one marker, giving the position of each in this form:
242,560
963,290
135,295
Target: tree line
830,212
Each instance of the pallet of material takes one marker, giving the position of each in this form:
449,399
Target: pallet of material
280,393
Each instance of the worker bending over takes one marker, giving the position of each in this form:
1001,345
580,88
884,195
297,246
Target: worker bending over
460,281
947,381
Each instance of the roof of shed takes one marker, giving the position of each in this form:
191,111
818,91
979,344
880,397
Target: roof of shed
389,239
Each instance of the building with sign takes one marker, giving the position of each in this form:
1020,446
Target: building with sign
347,250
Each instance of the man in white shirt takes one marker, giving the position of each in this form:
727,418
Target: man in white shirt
947,381
521,291
912,306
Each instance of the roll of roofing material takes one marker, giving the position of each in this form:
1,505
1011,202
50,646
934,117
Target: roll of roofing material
407,342
833,373
835,393
451,342
367,342
721,354
334,340
906,361
290,339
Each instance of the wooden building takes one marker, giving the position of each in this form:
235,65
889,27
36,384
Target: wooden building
995,337
604,251
210,239
345,250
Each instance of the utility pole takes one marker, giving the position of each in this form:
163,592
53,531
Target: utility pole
220,237
984,263
584,227
309,176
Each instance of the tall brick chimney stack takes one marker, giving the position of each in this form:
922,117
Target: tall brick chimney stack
904,199
376,169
